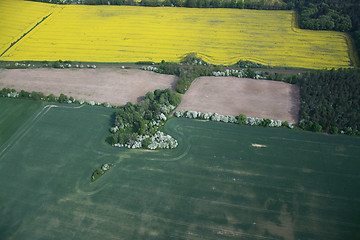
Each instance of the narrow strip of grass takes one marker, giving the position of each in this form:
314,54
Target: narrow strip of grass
14,113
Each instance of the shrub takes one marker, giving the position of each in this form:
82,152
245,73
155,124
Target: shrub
175,99
241,119
37,95
286,124
316,127
63,98
56,64
112,139
266,122
24,94
334,130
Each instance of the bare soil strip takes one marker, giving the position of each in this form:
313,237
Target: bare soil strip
115,86
252,97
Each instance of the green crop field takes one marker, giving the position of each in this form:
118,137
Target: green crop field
215,185
13,114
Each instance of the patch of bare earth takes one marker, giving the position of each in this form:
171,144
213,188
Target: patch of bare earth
252,97
115,86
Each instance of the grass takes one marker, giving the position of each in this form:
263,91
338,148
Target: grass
215,185
14,113
219,36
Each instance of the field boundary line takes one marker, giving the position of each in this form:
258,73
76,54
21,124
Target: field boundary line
353,56
23,130
295,22
26,33
26,127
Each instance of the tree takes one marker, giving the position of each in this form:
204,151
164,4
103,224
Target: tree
63,98
286,124
326,22
215,3
149,96
191,3
56,64
334,130
343,24
266,122
317,127
24,94
112,139
51,98
142,127
37,95
241,119
175,99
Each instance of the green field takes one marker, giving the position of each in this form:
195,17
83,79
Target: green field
13,114
215,185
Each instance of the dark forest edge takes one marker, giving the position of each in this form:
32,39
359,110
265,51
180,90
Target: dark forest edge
335,15
330,101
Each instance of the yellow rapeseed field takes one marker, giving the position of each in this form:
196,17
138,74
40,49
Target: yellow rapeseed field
18,17
220,36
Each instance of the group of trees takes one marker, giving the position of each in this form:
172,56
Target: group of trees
190,67
321,16
143,118
329,15
330,101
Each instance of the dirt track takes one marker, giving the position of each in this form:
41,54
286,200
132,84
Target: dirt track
232,96
115,86
223,95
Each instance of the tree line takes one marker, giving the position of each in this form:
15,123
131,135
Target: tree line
191,67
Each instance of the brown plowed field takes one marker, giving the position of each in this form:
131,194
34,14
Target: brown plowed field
115,86
223,95
254,98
